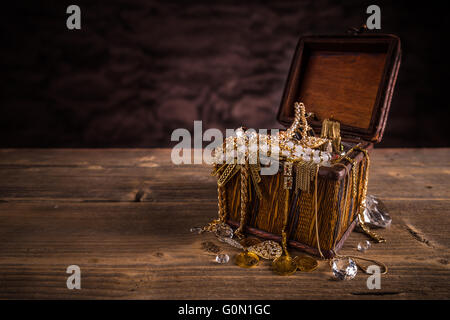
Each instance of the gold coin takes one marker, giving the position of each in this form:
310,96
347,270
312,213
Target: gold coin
306,263
246,259
284,266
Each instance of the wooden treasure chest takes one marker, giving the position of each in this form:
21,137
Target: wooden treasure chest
346,85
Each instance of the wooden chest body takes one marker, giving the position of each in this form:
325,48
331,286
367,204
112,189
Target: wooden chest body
351,80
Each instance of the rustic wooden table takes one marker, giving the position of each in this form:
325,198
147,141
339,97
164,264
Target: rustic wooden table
123,216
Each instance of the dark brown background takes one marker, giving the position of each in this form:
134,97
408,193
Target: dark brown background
139,69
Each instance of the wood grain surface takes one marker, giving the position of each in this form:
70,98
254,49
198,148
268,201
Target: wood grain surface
123,216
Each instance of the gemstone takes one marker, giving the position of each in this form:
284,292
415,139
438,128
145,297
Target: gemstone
224,231
240,132
375,213
344,269
222,258
363,246
196,230
316,160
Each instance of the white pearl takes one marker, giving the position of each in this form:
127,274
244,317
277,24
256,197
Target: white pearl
239,132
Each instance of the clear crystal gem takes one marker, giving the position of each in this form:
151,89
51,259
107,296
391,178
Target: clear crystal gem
222,258
364,245
224,231
375,213
197,230
344,269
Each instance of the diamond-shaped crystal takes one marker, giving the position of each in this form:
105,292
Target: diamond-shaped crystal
363,245
224,231
197,230
344,269
375,213
222,258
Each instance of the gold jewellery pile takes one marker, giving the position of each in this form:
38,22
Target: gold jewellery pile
306,154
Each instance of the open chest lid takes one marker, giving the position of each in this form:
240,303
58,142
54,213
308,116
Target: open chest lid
347,78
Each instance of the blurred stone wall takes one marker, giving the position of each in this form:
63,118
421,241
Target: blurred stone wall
138,69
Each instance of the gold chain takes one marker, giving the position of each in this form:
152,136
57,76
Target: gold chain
362,202
370,233
354,175
244,199
285,220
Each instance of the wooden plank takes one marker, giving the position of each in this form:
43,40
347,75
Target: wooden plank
145,250
56,211
119,174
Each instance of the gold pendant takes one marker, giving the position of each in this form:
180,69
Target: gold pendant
284,266
268,249
306,263
246,259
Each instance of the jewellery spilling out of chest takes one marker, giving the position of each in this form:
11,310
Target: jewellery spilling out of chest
302,188
300,155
